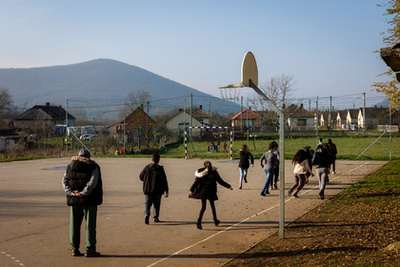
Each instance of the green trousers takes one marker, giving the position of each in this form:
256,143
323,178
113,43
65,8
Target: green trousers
76,217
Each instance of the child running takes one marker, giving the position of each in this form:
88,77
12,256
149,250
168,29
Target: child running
269,162
205,187
244,164
301,169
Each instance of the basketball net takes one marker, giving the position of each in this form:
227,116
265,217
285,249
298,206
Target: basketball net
230,94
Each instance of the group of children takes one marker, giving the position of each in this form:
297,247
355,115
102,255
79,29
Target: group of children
206,178
304,159
204,188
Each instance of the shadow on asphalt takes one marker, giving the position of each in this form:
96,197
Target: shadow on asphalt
261,254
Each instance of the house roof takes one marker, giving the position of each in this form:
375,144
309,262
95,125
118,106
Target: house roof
391,56
353,112
247,114
176,115
342,114
269,114
135,116
295,111
374,112
199,113
45,112
180,114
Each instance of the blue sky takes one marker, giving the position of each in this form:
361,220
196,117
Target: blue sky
327,46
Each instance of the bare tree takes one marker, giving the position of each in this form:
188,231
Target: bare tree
286,83
5,101
137,99
279,89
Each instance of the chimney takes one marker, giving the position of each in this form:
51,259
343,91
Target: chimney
47,104
201,107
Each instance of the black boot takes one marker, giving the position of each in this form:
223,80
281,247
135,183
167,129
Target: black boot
321,194
198,224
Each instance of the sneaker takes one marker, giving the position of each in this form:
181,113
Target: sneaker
333,172
270,188
146,219
321,195
290,192
263,194
217,222
198,224
295,195
156,220
92,253
275,186
76,252
245,179
240,186
267,192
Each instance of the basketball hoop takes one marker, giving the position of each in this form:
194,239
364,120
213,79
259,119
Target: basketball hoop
230,94
249,73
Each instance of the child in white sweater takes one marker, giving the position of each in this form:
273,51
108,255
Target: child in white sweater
301,168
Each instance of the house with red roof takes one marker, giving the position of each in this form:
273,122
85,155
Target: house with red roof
246,120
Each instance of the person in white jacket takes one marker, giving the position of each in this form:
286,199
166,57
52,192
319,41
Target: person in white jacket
301,168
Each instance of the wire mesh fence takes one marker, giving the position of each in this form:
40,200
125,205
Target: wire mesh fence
160,122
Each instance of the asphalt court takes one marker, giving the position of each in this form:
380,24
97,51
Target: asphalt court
34,218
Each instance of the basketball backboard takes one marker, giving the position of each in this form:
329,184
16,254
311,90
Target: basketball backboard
249,70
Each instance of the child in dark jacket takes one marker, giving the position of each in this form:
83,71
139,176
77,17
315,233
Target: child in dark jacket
154,185
205,187
244,164
322,160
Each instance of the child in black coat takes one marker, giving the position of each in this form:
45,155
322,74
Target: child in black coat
205,187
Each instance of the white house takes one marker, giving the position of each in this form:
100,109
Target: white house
177,123
373,117
298,118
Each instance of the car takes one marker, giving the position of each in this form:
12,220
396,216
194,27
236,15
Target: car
87,136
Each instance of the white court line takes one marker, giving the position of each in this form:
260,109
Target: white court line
211,236
234,225
13,258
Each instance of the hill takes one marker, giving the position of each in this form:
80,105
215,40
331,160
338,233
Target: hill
99,80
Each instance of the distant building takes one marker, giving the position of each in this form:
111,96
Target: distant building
341,119
298,118
246,120
347,119
200,120
136,125
43,117
201,116
177,124
373,117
